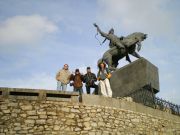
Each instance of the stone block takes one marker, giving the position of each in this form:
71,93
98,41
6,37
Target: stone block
31,112
29,121
56,127
134,76
6,111
41,121
26,107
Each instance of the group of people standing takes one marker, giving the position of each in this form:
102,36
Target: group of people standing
76,79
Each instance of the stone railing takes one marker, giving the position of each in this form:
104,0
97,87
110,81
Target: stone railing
38,94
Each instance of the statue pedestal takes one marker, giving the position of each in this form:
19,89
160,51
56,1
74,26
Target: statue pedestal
134,77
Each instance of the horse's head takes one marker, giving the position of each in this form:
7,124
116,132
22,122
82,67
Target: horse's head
140,37
134,39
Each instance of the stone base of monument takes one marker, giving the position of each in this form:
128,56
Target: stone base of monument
137,79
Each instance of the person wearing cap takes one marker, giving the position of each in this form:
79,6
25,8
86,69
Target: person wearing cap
103,76
77,79
63,78
90,79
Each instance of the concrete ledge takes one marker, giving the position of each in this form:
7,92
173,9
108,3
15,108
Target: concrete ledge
38,94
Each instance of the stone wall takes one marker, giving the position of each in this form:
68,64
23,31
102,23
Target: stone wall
64,115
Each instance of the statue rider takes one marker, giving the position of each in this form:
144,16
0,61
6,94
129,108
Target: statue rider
115,41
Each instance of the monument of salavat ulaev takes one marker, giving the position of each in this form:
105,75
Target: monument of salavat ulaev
139,79
133,109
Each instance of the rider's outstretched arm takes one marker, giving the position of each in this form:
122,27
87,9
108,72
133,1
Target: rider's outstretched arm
103,34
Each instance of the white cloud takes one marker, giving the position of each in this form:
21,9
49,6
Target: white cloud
25,29
138,15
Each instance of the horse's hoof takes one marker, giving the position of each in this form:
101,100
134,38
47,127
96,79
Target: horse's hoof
112,69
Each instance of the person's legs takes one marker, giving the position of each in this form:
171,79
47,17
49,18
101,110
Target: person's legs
95,89
108,87
80,94
103,88
58,85
64,86
75,89
80,90
88,89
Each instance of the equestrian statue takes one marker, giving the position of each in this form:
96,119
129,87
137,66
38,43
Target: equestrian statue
120,47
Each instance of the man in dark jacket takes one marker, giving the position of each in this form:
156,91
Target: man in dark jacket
77,81
90,79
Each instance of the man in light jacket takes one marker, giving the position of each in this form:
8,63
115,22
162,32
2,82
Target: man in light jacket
63,78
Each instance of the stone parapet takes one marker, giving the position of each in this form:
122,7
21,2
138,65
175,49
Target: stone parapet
95,115
38,94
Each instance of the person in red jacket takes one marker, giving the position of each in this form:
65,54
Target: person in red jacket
77,79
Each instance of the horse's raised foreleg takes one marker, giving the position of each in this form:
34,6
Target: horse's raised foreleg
135,54
108,59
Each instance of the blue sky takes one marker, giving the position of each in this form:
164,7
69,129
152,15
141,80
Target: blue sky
38,37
